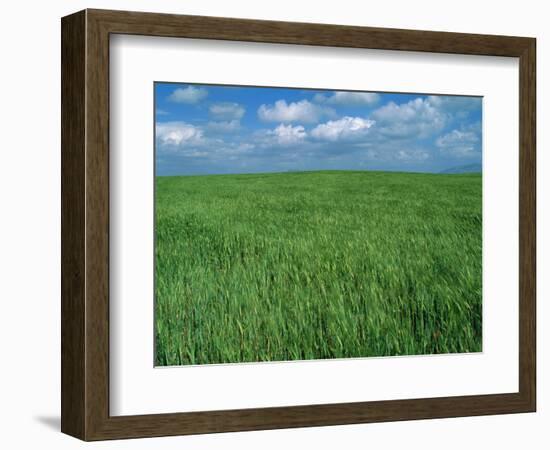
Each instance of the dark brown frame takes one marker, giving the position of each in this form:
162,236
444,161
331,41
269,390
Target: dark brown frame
85,224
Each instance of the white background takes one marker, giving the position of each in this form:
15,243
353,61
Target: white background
30,225
136,387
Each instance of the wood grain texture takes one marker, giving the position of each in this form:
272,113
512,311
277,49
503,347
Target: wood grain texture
527,224
73,227
97,225
201,27
85,224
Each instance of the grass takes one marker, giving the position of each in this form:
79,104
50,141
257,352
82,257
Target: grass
314,265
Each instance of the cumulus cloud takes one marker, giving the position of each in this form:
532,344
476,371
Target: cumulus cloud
286,135
226,111
181,139
302,111
417,118
459,143
348,98
189,95
224,126
178,134
346,128
411,132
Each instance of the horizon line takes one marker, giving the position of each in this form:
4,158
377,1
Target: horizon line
443,172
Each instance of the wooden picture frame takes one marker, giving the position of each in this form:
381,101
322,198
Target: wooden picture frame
85,224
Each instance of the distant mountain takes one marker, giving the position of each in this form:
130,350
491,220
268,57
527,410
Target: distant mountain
468,168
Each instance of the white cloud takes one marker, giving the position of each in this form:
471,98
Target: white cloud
226,111
348,98
224,126
233,149
417,118
412,155
286,135
302,111
187,140
178,134
342,129
460,143
189,95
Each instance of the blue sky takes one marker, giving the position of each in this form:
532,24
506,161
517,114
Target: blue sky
213,129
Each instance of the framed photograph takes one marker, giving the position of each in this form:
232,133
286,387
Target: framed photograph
272,225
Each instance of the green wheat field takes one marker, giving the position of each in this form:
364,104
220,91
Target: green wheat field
316,265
